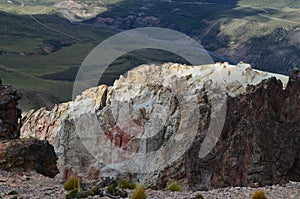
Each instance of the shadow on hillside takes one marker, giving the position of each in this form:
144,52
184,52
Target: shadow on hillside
200,20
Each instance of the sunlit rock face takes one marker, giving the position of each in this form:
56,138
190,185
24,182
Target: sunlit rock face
194,124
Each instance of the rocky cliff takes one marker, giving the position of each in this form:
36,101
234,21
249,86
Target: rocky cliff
210,126
10,115
21,154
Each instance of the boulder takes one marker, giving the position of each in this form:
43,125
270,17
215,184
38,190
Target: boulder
21,154
28,154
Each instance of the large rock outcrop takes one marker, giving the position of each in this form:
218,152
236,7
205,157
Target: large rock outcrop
21,154
259,142
212,126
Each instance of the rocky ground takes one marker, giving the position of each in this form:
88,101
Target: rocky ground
31,185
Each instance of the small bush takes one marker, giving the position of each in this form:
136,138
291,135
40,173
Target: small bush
72,194
14,192
259,195
174,187
95,190
198,196
154,188
75,194
124,184
72,184
139,193
112,190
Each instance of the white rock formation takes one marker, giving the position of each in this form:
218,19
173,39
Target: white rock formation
144,122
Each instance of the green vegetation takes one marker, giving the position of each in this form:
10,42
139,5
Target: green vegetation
114,190
25,48
259,195
76,194
174,186
125,184
31,86
72,184
13,192
23,61
198,196
139,193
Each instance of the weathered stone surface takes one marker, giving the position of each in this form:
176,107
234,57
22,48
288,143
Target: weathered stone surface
28,154
10,115
21,154
58,126
167,113
260,141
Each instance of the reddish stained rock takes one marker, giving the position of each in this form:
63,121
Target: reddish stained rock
68,173
118,137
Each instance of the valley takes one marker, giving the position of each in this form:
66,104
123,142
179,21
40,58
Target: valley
48,40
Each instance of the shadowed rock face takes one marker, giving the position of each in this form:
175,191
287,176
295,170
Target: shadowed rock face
10,115
259,142
21,154
28,154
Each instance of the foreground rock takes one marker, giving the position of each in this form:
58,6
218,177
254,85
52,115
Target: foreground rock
21,154
10,115
206,126
28,154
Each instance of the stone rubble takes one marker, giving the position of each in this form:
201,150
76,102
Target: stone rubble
30,185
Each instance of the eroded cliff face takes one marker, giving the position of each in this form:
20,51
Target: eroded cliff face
212,126
259,142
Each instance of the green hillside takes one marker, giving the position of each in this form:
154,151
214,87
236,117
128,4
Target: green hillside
30,86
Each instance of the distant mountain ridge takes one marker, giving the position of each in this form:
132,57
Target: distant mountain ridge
36,41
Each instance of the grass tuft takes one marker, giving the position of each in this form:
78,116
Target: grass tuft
174,187
259,195
139,193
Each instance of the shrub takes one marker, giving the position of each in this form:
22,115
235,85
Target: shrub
72,194
113,190
75,194
72,184
124,184
174,187
14,192
259,195
139,193
198,196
